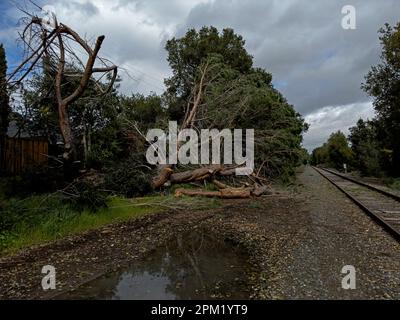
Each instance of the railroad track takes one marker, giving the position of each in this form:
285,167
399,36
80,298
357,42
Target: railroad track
382,206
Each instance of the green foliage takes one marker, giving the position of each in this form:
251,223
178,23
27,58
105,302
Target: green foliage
383,83
249,101
305,157
366,149
129,178
236,95
320,155
145,111
339,150
395,184
40,103
187,54
25,215
93,117
5,109
81,196
39,219
375,144
118,137
28,213
334,153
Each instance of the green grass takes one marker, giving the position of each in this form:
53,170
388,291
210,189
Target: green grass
395,184
38,219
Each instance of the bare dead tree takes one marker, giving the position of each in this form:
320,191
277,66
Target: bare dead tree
71,56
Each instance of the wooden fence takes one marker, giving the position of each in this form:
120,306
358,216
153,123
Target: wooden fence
21,154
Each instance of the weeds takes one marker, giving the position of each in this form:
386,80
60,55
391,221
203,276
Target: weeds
40,219
395,184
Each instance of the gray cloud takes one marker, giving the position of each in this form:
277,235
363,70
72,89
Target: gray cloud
327,120
304,45
86,8
315,63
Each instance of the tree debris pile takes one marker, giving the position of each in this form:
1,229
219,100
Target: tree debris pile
211,89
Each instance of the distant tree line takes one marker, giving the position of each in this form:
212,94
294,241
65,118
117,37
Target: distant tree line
334,153
373,146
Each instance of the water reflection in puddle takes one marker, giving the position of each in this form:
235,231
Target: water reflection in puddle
192,266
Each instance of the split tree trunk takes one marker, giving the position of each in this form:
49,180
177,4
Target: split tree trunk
225,192
229,193
195,175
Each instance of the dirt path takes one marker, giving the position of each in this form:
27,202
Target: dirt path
299,241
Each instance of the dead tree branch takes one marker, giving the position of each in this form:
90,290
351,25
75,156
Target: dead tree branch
57,46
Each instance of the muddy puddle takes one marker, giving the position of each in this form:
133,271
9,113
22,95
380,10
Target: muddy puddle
191,266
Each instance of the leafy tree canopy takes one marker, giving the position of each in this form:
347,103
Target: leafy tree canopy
4,97
335,152
383,83
365,147
186,54
233,98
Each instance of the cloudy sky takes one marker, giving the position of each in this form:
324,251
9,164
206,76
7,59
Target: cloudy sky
318,65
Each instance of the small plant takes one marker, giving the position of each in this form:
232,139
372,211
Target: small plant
395,184
129,178
84,196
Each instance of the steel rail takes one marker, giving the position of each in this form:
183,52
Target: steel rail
380,220
384,192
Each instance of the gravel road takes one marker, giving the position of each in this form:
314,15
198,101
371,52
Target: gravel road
334,233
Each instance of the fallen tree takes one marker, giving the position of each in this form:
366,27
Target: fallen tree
195,175
209,90
166,174
230,193
225,192
165,171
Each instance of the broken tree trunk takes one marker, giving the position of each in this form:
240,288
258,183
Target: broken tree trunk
195,175
225,192
220,185
230,193
260,190
163,176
